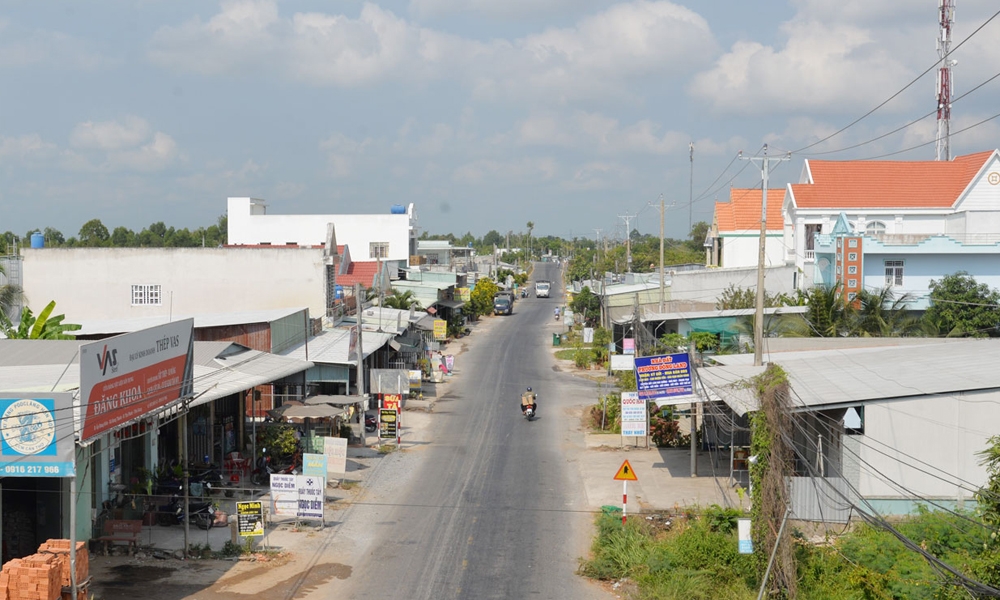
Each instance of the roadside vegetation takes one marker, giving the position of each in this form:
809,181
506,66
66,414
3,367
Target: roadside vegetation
696,557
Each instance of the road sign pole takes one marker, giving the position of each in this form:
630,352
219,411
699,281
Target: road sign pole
624,500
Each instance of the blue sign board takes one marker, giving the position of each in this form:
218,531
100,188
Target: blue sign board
36,435
663,376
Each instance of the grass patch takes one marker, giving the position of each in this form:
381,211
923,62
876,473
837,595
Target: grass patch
348,485
566,354
387,448
697,558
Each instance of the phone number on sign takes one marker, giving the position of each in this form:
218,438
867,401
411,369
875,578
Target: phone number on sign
31,470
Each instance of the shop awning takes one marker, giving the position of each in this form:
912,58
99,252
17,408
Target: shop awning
234,373
453,304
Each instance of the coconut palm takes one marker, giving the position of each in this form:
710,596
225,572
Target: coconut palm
402,301
881,314
10,295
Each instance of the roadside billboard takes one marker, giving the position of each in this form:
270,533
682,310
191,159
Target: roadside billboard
633,415
37,435
622,362
129,376
663,376
440,329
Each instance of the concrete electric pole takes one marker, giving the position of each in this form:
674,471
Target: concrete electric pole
758,315
946,15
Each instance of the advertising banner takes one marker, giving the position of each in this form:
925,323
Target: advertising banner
588,335
310,494
440,329
37,435
335,450
416,377
633,415
392,401
743,530
387,423
449,361
129,376
284,495
663,376
250,518
628,346
465,294
622,362
314,465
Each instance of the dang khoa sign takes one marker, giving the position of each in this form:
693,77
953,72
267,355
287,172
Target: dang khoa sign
129,376
663,376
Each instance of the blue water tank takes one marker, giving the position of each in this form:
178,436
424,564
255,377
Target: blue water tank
338,292
397,209
37,240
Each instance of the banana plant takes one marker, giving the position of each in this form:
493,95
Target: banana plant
43,327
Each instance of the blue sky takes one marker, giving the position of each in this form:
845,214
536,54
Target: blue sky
484,113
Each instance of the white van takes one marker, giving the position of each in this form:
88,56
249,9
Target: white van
542,289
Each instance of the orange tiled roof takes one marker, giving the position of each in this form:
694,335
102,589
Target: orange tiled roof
359,272
742,212
887,184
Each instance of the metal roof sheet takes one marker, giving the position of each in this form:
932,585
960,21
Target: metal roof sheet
115,326
332,346
854,376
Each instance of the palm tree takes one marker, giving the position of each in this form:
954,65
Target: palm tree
531,226
404,301
10,295
828,314
881,314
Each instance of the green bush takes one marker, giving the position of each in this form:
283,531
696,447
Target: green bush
583,357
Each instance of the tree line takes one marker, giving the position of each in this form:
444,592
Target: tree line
95,234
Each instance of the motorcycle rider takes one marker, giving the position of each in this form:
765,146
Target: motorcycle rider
529,399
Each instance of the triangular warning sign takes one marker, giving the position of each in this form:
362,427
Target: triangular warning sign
626,473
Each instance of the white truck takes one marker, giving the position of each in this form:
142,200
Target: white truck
542,289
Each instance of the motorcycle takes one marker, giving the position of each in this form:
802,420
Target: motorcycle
371,423
201,514
264,468
529,413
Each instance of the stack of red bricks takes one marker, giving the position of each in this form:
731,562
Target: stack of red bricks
44,576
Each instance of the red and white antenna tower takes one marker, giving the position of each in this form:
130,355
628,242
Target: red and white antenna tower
946,14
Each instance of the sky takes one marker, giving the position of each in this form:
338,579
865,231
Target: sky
485,114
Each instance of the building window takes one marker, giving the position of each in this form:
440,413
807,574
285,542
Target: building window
852,296
852,283
875,228
893,272
852,243
145,294
378,250
852,257
852,269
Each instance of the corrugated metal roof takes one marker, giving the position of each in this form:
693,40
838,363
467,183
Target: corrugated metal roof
846,376
708,314
115,326
243,371
332,346
14,353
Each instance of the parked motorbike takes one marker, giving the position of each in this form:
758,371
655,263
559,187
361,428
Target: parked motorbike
201,514
371,423
264,468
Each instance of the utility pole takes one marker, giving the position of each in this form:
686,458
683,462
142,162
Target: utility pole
946,17
662,210
758,319
690,190
628,240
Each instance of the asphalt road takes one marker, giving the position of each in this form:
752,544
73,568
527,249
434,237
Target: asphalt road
494,507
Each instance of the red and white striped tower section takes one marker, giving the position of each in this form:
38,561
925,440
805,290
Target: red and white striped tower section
946,15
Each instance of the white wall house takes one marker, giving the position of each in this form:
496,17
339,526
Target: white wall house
734,237
919,220
101,284
390,236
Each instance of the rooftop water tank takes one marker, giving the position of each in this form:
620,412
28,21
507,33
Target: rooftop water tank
37,240
397,209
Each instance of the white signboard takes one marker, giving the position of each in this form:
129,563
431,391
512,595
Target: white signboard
743,529
633,415
335,449
622,362
126,377
284,495
310,496
588,335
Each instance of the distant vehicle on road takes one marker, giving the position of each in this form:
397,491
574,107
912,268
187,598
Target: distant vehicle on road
542,289
503,305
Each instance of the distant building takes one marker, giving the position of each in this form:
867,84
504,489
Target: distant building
734,238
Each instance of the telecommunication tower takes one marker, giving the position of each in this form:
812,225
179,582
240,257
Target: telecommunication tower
946,15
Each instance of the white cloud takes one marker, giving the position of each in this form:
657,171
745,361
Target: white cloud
25,147
110,135
628,40
506,9
343,153
128,143
597,175
599,133
22,47
506,171
836,68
